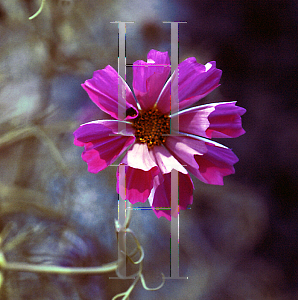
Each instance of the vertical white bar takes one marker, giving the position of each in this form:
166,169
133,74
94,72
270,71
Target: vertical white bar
174,173
121,219
174,78
122,73
121,128
174,225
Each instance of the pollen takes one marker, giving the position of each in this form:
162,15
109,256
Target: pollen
151,127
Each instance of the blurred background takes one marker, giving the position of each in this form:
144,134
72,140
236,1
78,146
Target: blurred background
238,241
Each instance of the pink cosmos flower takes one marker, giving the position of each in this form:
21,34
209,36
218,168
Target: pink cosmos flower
153,152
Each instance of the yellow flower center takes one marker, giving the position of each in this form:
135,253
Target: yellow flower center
151,127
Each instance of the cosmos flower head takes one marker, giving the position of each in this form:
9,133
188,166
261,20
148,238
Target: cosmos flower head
154,146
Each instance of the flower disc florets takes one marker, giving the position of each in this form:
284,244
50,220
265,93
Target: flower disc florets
151,127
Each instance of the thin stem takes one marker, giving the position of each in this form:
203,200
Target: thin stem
39,10
21,267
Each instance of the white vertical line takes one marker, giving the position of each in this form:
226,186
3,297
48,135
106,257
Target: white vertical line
174,225
174,78
122,74
174,173
121,219
122,128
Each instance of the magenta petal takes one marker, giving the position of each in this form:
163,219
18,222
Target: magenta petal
166,161
161,202
207,160
214,165
149,77
78,143
225,121
140,170
160,197
102,146
185,148
214,120
102,89
195,81
194,120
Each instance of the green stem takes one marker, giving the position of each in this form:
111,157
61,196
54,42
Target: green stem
39,10
21,267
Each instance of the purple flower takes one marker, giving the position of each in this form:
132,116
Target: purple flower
154,153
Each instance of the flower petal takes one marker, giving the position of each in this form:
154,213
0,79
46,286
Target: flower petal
102,145
160,197
225,121
149,77
214,165
185,148
102,89
166,161
207,160
193,120
195,81
214,120
140,170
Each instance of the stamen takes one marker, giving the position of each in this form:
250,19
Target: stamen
151,126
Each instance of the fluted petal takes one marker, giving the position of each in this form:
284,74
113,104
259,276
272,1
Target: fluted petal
149,77
215,164
140,170
195,81
102,89
214,120
102,143
225,121
193,120
160,197
207,160
185,148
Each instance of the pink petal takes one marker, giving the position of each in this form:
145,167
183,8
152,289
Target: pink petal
214,165
193,120
185,148
225,121
160,197
214,120
195,81
166,161
140,170
102,146
102,89
207,160
149,77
